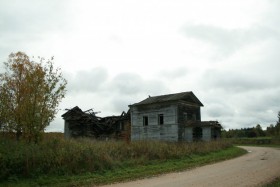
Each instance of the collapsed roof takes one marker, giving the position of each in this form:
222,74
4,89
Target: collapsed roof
86,123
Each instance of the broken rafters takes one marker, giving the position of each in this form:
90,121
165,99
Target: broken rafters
87,124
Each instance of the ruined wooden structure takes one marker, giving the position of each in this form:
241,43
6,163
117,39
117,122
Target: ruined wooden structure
173,117
78,123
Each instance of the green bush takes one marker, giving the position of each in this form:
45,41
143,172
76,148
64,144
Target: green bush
58,156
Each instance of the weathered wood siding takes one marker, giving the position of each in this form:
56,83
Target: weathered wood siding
186,112
67,132
188,135
206,133
168,131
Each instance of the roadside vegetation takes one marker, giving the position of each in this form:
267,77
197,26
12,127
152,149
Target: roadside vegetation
274,183
255,135
259,141
57,161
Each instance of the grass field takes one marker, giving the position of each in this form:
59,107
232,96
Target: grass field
60,162
128,172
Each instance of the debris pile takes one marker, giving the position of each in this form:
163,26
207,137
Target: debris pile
80,123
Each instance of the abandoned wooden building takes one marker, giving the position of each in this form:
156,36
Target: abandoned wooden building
78,123
173,117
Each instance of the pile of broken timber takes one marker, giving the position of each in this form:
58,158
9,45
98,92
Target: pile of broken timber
87,124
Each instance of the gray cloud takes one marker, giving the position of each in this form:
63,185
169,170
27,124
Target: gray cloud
237,109
216,111
261,101
127,83
25,23
131,84
128,88
228,41
87,81
243,97
233,81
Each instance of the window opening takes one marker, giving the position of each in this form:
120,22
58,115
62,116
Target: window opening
160,119
145,121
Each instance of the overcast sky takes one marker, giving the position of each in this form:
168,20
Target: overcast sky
116,53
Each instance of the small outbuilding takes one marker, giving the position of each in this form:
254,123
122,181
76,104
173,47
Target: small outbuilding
172,117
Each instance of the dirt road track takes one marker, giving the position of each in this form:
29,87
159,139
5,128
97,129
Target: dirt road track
259,166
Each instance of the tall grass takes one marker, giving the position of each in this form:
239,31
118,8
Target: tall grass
58,156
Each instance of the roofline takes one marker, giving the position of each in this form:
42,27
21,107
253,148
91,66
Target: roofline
175,102
190,92
203,124
196,98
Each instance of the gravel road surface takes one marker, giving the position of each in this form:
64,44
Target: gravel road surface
258,167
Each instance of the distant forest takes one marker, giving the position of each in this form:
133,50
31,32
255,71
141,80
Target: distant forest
257,131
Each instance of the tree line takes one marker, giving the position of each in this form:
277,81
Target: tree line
257,131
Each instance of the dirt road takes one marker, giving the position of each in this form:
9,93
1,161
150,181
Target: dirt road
256,168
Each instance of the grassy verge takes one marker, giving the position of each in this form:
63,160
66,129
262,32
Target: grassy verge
70,157
274,183
127,171
261,141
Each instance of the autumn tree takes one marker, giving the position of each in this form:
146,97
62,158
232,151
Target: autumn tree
30,93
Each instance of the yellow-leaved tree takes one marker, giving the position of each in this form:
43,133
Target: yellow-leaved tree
30,92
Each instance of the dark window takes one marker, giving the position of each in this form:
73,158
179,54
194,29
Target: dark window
145,121
197,134
189,116
160,119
